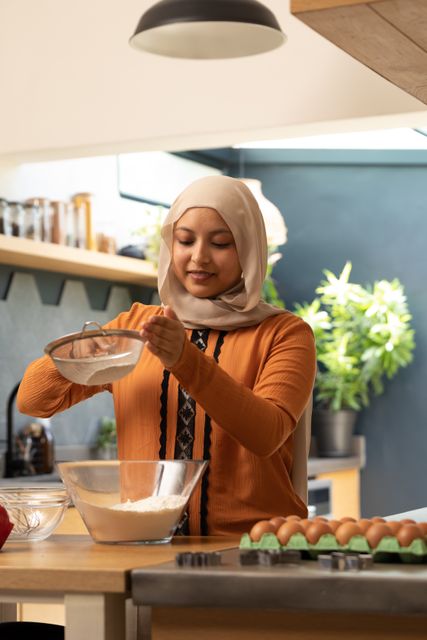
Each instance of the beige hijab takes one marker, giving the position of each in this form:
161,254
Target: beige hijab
240,306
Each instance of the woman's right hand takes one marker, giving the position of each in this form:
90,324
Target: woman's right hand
165,336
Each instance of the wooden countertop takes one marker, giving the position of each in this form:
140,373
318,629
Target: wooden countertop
70,561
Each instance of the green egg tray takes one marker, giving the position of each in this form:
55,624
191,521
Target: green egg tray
388,550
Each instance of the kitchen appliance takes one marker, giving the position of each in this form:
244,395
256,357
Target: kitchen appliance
320,498
31,452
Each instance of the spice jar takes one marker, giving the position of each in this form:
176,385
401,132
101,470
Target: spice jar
16,218
84,200
4,217
45,217
76,228
59,226
32,229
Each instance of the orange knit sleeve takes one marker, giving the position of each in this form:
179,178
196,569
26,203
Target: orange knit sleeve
262,418
44,391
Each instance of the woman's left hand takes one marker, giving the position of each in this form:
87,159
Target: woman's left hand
164,336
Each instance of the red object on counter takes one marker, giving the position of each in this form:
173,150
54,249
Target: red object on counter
6,526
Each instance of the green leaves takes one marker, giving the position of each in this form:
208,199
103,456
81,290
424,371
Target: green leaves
269,292
363,335
107,432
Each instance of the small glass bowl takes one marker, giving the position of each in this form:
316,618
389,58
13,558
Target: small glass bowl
131,501
35,512
96,357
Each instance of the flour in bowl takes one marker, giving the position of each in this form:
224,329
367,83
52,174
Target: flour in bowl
150,519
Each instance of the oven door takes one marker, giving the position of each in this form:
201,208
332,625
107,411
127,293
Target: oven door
320,498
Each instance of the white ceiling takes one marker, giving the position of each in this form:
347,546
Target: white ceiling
71,86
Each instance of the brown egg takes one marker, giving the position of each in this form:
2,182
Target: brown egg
346,531
377,519
348,519
423,527
320,518
364,524
306,522
293,517
376,533
315,530
394,525
277,521
287,530
408,521
334,524
258,530
408,533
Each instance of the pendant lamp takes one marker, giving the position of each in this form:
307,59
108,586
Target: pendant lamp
275,226
207,29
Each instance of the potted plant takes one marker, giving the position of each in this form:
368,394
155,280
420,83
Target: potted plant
363,335
106,441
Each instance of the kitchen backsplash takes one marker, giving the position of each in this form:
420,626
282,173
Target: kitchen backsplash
27,324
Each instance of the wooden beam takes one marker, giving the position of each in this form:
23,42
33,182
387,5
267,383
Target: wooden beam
363,32
408,16
298,6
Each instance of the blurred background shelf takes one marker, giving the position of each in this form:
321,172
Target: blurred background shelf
60,259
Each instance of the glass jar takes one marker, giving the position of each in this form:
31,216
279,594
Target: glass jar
79,225
59,226
44,217
75,235
16,219
4,217
84,202
32,229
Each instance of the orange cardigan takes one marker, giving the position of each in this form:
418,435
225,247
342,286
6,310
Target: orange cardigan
254,395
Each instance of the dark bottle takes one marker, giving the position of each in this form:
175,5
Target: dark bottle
37,437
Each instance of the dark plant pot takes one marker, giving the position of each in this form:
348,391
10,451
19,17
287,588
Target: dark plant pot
333,431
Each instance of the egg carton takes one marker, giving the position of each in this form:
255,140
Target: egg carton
388,549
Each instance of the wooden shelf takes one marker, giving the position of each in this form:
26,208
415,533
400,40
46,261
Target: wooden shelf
79,262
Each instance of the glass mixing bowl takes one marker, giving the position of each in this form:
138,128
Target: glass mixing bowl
94,357
131,501
35,512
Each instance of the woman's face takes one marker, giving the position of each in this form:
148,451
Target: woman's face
204,254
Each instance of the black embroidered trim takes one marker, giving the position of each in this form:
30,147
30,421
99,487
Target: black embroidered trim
164,414
206,452
186,417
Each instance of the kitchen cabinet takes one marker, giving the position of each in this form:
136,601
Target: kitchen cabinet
30,254
388,36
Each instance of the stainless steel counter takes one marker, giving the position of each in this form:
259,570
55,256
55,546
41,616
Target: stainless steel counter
386,588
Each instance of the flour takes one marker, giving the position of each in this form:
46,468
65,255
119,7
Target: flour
110,374
93,370
150,519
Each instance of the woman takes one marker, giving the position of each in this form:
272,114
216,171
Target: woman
224,376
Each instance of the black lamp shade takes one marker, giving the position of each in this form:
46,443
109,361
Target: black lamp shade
207,29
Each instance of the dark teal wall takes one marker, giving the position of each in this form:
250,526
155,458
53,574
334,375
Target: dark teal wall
375,216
